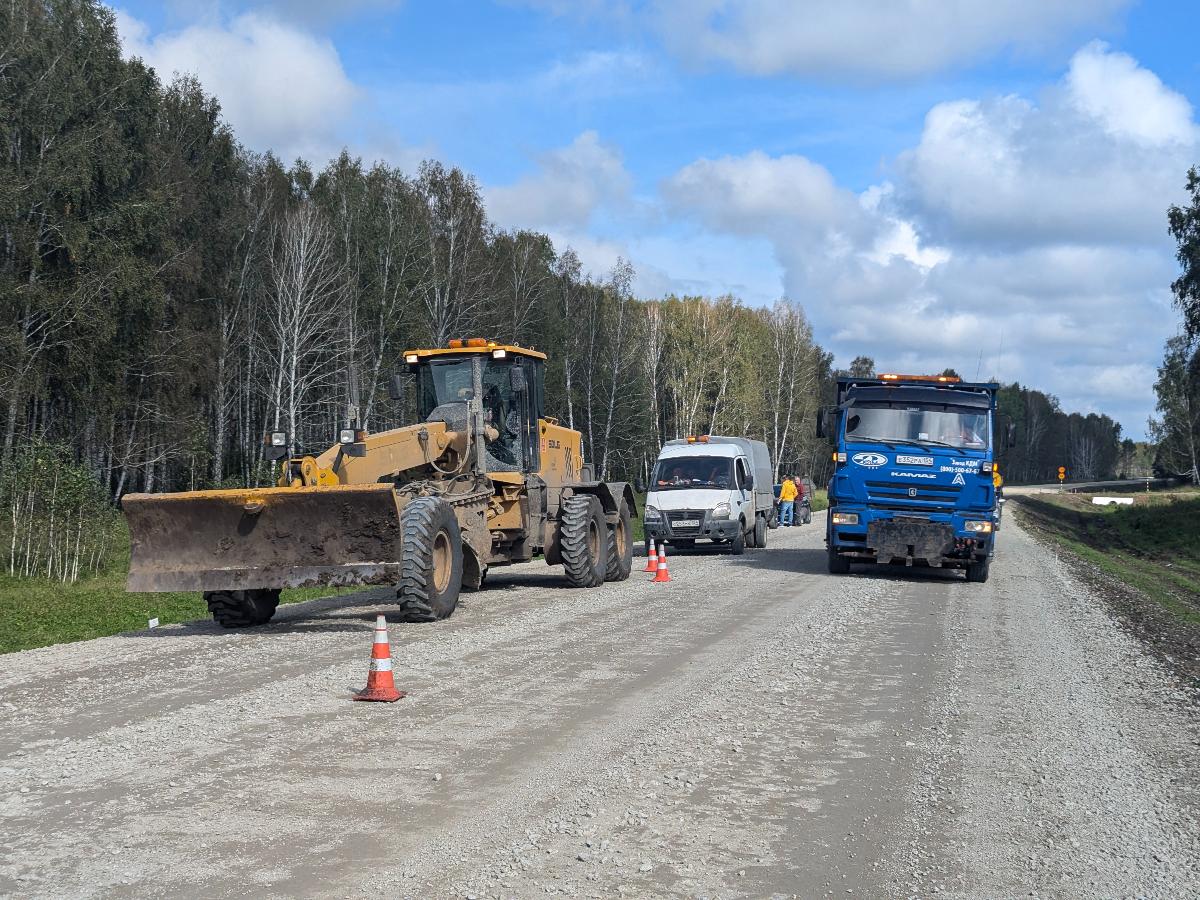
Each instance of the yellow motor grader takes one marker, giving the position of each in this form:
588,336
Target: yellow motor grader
485,479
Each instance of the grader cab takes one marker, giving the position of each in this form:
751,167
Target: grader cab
485,479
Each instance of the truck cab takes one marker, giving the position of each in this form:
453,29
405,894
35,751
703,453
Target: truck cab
711,488
912,481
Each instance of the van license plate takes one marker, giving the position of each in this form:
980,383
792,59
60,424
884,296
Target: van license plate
686,523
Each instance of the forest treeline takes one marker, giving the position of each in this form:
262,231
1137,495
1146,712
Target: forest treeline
167,295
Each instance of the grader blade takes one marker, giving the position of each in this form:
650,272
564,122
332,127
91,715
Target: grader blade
263,538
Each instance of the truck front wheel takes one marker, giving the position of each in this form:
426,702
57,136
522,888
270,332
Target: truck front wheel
431,571
242,609
838,564
978,571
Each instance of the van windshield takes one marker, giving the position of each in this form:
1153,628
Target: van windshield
681,472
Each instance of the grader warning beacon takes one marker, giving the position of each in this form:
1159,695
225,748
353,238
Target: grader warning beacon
485,479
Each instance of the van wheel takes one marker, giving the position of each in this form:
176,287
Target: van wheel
620,547
737,544
584,541
431,571
760,532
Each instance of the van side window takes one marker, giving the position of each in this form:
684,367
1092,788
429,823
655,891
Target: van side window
741,474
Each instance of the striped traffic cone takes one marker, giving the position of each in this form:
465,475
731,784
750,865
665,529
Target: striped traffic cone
381,686
651,559
662,574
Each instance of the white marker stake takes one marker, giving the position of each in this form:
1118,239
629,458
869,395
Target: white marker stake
154,623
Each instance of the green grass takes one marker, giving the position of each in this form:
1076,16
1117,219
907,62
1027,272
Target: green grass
1153,546
35,612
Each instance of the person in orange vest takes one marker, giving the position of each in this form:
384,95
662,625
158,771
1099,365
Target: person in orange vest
787,501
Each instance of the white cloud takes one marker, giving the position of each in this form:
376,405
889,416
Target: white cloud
568,187
1097,160
856,38
279,87
1127,100
1020,239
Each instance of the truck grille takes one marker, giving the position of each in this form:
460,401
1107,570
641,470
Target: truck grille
684,515
896,495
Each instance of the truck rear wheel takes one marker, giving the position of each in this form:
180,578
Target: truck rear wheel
242,609
584,541
431,568
838,564
978,571
620,547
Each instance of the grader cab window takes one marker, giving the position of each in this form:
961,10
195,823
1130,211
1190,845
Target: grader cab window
444,381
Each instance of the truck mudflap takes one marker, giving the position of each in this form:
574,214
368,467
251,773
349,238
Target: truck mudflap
263,538
907,541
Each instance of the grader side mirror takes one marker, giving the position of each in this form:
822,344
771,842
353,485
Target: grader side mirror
396,387
517,380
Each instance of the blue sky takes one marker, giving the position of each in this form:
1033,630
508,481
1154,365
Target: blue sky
970,184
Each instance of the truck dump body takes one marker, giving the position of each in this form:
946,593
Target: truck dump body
913,477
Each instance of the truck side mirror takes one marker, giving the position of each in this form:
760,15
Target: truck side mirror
749,481
396,387
1010,435
517,380
822,415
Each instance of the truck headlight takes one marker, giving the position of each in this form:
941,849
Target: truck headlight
721,511
651,514
977,526
845,518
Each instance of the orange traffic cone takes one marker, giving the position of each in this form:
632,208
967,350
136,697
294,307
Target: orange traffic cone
651,560
662,574
381,685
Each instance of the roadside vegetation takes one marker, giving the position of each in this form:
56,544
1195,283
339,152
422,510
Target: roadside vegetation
36,611
1152,546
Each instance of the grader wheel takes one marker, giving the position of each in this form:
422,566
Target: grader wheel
584,541
620,547
432,568
242,609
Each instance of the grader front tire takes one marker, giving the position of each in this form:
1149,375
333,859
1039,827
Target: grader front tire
431,570
584,541
242,609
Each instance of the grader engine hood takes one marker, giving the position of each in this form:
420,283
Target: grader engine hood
263,538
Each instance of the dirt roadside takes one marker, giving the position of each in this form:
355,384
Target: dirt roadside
755,728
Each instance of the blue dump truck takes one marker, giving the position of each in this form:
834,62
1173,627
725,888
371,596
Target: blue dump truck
912,480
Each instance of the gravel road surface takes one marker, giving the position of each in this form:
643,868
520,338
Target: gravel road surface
754,728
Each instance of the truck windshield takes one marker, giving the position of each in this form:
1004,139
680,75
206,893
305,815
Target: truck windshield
444,381
940,425
682,472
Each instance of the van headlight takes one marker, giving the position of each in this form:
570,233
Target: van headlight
979,527
651,514
845,518
721,511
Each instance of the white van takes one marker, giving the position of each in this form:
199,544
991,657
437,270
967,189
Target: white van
711,488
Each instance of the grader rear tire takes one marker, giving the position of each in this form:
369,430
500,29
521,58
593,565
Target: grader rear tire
584,541
431,570
242,609
620,547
